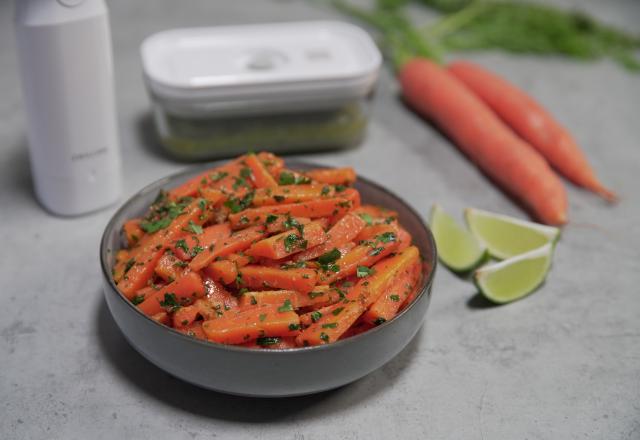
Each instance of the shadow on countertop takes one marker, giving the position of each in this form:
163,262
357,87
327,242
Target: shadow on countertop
158,385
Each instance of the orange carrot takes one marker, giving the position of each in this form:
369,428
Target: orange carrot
334,176
335,321
272,163
194,330
238,241
277,297
373,214
388,304
223,271
162,318
533,123
251,323
221,178
515,165
289,242
217,300
132,232
283,222
311,209
292,194
345,230
191,244
182,291
259,174
261,277
168,267
185,316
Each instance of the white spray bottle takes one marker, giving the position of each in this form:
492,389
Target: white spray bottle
66,66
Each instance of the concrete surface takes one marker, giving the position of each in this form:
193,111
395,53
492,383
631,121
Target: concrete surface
561,364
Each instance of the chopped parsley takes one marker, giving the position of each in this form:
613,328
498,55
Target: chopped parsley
394,298
337,311
340,188
129,264
292,223
325,191
387,237
364,271
330,325
313,295
195,228
246,173
367,218
271,218
379,321
170,302
263,316
286,307
327,260
294,327
267,341
376,251
315,316
278,198
182,244
296,265
236,204
137,299
162,212
293,241
254,301
216,177
287,178
324,336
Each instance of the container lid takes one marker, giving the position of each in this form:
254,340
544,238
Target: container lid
264,62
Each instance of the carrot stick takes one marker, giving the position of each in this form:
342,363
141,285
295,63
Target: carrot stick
272,163
311,209
277,297
262,277
216,302
249,324
132,232
223,271
335,320
533,123
182,291
221,178
259,174
238,241
292,194
185,316
289,242
168,267
333,176
194,330
345,230
283,222
516,166
388,304
190,245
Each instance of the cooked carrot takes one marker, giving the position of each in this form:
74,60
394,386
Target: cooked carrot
278,297
132,231
289,242
370,288
138,271
217,301
185,316
162,318
533,123
515,165
283,222
223,271
325,295
238,241
194,330
120,265
251,323
261,277
272,163
192,244
260,176
345,230
358,327
240,259
292,194
373,214
332,324
221,178
378,242
404,239
183,291
388,304
168,267
311,209
333,176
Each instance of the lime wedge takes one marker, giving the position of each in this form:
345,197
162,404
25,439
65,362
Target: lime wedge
458,249
507,236
515,277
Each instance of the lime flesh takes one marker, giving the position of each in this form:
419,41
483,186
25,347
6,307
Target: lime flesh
507,236
515,277
457,248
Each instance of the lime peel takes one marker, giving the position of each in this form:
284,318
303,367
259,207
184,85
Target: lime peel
458,248
506,236
516,277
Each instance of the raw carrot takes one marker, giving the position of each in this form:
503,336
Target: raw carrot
311,209
252,323
183,291
333,176
345,230
261,277
260,176
238,241
516,166
289,242
533,123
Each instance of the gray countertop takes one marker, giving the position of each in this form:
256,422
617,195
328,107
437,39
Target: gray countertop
562,364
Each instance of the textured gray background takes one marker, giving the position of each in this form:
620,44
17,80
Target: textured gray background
562,364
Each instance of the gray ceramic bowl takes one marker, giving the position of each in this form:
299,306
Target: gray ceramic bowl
257,372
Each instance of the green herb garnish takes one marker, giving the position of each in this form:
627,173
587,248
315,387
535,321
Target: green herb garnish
286,306
364,271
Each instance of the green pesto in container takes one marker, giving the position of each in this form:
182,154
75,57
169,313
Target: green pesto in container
289,87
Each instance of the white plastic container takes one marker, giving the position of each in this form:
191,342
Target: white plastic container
282,87
66,66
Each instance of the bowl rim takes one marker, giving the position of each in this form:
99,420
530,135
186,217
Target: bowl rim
159,183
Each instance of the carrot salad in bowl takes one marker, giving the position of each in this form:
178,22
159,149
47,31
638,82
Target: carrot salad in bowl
254,254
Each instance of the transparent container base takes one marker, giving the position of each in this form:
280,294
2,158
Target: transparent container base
219,136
